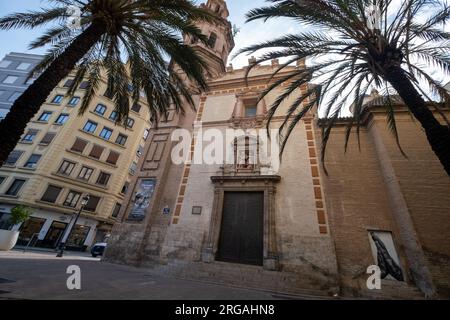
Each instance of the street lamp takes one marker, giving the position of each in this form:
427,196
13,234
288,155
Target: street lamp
84,202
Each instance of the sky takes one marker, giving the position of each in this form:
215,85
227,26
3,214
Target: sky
18,40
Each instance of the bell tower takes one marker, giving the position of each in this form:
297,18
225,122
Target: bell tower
156,159
220,38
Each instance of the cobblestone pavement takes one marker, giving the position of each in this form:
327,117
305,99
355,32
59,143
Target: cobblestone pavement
40,275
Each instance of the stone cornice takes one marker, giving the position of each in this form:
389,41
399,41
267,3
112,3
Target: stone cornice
369,114
240,82
223,179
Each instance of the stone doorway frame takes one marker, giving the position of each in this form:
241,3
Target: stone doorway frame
265,184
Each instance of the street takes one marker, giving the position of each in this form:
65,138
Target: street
42,276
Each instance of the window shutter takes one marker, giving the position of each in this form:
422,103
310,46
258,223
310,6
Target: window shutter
32,132
103,178
68,83
113,157
136,107
48,138
109,94
116,210
84,85
92,204
51,194
96,152
79,145
13,157
15,187
34,158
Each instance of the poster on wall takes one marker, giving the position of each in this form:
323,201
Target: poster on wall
384,253
142,198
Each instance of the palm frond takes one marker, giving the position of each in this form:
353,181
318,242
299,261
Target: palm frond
146,33
353,58
31,20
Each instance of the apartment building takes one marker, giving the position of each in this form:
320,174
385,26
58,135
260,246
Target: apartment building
63,156
14,70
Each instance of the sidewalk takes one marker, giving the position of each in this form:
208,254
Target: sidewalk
42,276
40,253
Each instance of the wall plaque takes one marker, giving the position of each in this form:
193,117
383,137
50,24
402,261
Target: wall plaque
197,210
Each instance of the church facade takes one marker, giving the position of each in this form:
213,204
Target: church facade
212,201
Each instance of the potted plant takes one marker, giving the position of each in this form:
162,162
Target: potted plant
8,238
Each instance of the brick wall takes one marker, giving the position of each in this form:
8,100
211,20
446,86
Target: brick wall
358,201
426,189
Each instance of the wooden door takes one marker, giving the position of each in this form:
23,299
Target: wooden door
242,229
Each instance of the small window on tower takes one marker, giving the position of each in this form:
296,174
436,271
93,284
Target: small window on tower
250,111
250,108
212,40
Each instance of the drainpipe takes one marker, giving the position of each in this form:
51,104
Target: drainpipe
416,260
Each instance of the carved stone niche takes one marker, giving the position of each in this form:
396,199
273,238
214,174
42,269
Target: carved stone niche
264,184
248,112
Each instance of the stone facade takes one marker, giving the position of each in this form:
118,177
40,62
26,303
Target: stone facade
380,189
296,233
316,226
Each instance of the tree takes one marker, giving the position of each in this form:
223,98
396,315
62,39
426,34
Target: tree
19,214
355,45
95,35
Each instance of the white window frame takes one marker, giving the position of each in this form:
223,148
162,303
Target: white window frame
5,63
7,81
21,66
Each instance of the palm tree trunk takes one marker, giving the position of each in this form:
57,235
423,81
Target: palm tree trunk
438,135
417,264
29,103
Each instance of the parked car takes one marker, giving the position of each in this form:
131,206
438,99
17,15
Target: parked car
98,249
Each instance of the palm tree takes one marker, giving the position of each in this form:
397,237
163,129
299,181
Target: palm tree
143,33
353,50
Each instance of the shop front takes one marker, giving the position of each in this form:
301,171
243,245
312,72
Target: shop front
77,240
48,230
29,231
